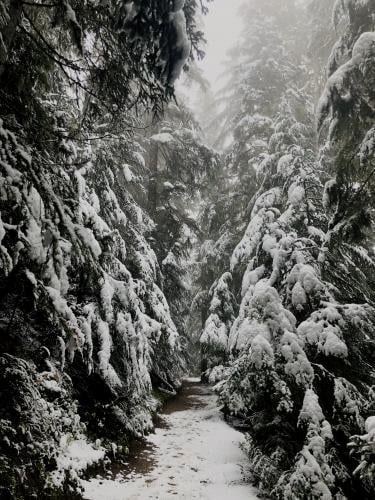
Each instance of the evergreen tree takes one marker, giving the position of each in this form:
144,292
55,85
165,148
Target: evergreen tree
182,169
214,338
321,40
345,111
301,355
87,333
259,74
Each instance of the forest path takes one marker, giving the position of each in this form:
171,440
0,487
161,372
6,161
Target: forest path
194,454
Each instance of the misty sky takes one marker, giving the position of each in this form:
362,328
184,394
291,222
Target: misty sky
222,26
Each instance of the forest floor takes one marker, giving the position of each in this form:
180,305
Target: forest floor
193,454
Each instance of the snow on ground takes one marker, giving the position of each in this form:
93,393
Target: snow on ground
75,456
193,380
194,455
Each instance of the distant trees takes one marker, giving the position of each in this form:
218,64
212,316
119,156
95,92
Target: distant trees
215,336
182,169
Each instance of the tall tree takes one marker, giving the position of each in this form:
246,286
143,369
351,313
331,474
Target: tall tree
303,367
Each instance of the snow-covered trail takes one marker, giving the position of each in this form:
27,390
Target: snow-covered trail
194,454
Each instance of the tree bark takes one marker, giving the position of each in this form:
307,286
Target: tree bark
153,187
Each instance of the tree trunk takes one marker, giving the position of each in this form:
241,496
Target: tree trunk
153,186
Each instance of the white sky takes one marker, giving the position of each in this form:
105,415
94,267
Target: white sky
222,28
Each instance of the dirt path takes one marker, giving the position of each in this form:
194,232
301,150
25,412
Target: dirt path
193,454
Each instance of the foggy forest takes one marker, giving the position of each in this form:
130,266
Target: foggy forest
187,249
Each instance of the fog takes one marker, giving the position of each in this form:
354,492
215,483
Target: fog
222,27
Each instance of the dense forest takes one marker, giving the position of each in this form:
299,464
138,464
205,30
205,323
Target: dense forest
142,240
